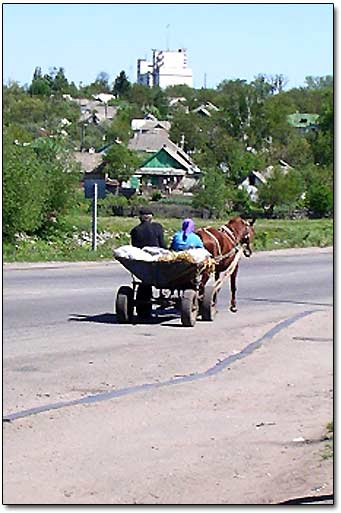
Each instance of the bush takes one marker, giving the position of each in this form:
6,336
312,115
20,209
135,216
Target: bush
319,200
37,186
156,196
214,195
112,204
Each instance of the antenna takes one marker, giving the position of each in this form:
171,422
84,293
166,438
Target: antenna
167,38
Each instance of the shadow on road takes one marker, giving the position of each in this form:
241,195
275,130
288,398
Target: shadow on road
104,318
110,318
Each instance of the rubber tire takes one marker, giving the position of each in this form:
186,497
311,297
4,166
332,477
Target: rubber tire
189,308
124,304
209,304
144,293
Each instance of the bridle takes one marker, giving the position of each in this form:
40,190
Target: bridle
237,245
245,240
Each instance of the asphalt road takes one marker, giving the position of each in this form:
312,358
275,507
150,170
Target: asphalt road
91,402
59,319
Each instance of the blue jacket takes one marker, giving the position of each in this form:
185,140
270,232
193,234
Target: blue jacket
192,241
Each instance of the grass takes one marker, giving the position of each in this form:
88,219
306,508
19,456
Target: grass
328,450
68,243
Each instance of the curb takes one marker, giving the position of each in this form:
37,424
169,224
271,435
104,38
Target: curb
19,266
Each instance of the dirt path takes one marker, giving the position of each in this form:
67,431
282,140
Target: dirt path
250,434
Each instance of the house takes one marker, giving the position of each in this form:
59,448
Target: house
251,184
92,167
95,111
167,170
178,103
103,97
147,125
89,163
256,179
206,109
304,123
149,141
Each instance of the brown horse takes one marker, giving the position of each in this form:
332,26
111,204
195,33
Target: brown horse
223,243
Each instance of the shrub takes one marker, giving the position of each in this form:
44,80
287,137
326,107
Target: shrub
319,200
37,186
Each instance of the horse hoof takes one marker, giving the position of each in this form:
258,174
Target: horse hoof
233,309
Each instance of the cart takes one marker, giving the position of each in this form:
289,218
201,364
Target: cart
179,284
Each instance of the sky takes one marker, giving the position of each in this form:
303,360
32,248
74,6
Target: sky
223,41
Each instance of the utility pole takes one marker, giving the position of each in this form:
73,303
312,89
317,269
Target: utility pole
94,217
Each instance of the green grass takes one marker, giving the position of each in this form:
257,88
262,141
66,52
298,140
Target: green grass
328,449
61,246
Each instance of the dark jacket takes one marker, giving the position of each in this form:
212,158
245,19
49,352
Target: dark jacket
147,234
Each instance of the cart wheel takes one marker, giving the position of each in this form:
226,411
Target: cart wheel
124,304
143,301
189,307
209,304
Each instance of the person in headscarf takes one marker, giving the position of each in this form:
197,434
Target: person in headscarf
186,238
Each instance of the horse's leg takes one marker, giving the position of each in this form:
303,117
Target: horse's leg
233,279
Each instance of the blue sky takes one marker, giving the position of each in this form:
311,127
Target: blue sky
223,41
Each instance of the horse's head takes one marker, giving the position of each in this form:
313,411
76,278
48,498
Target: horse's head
244,233
247,237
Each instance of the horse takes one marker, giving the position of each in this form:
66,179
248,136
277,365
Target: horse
223,243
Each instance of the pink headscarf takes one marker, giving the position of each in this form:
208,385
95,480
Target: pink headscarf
187,227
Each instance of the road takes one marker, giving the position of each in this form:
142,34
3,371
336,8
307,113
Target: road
66,361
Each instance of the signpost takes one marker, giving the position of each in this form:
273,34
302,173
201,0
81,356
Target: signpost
94,189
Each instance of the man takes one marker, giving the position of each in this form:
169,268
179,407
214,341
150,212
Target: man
147,233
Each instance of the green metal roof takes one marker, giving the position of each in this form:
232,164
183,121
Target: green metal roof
299,120
162,159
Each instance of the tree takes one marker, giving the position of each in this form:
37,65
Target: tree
319,82
121,85
323,144
319,195
187,126
60,83
281,190
277,83
102,80
140,95
38,184
214,193
120,163
160,101
40,86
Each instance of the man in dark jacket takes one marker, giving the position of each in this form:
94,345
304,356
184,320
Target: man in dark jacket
147,233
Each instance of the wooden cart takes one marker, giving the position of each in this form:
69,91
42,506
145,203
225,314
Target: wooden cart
179,284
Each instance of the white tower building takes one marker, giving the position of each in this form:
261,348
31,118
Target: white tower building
166,69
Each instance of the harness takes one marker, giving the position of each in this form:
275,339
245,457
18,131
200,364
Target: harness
234,250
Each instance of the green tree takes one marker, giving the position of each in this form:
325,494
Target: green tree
140,95
121,85
319,82
120,163
160,101
60,83
281,190
102,80
38,184
319,190
214,193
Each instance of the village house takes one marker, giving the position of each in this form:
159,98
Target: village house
168,170
206,109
